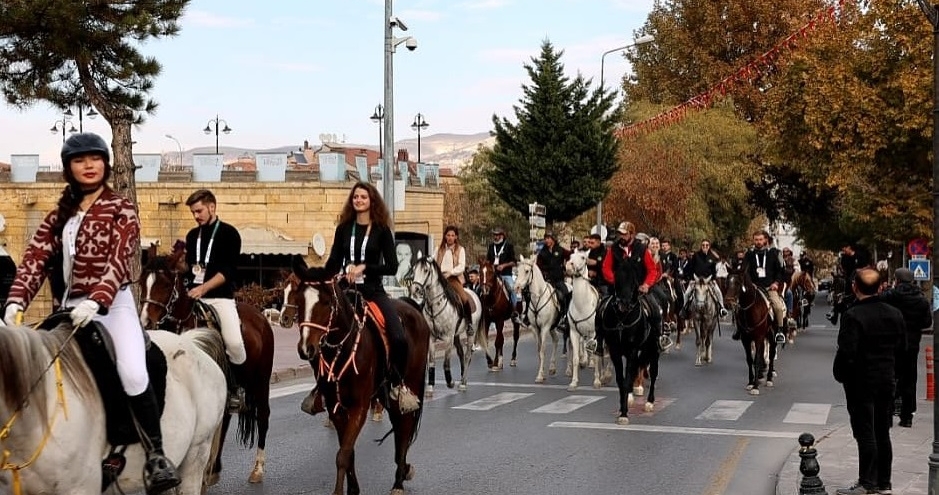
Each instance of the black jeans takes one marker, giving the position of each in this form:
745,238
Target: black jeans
906,376
395,331
870,407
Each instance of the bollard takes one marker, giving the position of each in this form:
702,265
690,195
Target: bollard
811,484
930,377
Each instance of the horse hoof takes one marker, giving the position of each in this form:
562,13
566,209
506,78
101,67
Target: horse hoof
397,491
462,388
630,400
792,341
256,477
572,388
622,421
410,474
211,479
649,406
754,391
539,379
552,372
638,391
377,417
677,348
697,362
513,363
429,392
450,385
769,383
749,387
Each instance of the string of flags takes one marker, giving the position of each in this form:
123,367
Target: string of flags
763,64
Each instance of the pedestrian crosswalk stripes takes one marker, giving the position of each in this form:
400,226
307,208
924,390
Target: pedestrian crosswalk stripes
725,410
567,404
493,401
810,414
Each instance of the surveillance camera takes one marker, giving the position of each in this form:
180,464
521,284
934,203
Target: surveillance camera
398,22
411,44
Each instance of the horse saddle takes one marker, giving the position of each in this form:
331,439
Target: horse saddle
98,351
764,295
373,311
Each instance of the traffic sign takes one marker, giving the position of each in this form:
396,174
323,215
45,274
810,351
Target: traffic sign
920,269
918,246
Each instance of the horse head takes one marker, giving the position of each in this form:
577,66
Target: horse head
702,292
626,288
525,275
424,272
161,289
318,309
289,311
576,265
488,278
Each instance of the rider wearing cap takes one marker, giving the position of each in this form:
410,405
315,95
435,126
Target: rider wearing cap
628,249
501,253
551,260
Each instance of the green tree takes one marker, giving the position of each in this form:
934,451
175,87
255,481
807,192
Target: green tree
86,52
560,151
481,210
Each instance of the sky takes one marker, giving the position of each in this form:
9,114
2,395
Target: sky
280,72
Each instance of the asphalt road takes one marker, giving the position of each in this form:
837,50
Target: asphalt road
506,434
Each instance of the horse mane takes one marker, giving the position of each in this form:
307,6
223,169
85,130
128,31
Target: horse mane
448,290
26,354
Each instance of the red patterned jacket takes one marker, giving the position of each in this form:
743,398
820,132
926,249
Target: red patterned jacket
104,249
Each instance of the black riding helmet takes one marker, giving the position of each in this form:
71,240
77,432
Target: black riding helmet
84,143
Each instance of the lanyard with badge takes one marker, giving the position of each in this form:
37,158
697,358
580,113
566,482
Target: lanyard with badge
760,265
198,270
497,254
360,279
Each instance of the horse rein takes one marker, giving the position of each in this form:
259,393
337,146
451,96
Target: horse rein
170,304
537,309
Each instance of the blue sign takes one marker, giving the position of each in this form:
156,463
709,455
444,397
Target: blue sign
920,269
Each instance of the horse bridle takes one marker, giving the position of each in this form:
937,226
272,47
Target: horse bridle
531,278
170,303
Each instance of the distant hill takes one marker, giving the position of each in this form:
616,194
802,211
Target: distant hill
449,150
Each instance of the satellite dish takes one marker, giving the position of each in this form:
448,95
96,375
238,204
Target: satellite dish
3,223
319,244
603,231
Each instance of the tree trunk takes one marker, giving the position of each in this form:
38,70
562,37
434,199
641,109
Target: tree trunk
122,175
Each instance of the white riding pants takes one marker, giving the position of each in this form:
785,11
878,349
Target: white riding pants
231,328
778,305
123,326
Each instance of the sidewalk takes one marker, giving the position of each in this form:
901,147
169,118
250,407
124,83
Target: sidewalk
837,457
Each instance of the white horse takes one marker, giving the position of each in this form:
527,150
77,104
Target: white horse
441,308
704,317
543,311
55,418
582,318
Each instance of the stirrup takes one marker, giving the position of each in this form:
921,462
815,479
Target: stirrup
159,474
736,334
664,342
590,345
407,401
780,338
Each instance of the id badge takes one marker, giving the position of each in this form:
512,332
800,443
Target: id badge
760,272
495,260
199,279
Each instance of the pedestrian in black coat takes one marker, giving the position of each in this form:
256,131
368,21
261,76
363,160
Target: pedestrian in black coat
917,315
872,334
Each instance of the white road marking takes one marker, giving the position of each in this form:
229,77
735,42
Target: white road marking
290,390
684,430
807,413
607,390
567,404
493,401
725,410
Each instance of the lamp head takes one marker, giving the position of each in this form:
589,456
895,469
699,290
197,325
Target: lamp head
647,38
207,130
226,130
91,113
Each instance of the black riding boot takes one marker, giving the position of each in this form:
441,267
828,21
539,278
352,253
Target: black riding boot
564,325
468,317
236,393
407,400
159,472
736,335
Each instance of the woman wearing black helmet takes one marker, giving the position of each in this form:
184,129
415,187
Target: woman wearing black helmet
87,244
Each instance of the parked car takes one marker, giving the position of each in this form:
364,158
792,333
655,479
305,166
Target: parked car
825,284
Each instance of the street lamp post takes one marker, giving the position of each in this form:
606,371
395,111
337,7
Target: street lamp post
638,41
377,117
216,121
419,125
91,114
391,42
66,119
179,146
933,15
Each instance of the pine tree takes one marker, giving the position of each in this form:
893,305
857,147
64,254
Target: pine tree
70,53
560,152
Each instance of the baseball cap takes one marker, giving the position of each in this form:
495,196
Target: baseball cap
498,231
903,275
625,228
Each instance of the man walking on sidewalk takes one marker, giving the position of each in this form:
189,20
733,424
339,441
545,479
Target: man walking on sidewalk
917,315
872,333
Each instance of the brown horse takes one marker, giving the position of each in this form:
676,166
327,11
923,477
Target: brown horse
497,307
751,313
165,304
339,335
803,296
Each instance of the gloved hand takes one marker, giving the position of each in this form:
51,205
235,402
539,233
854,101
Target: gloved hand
84,312
10,314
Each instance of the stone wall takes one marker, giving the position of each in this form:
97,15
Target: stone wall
297,209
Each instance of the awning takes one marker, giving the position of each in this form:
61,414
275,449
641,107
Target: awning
266,240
